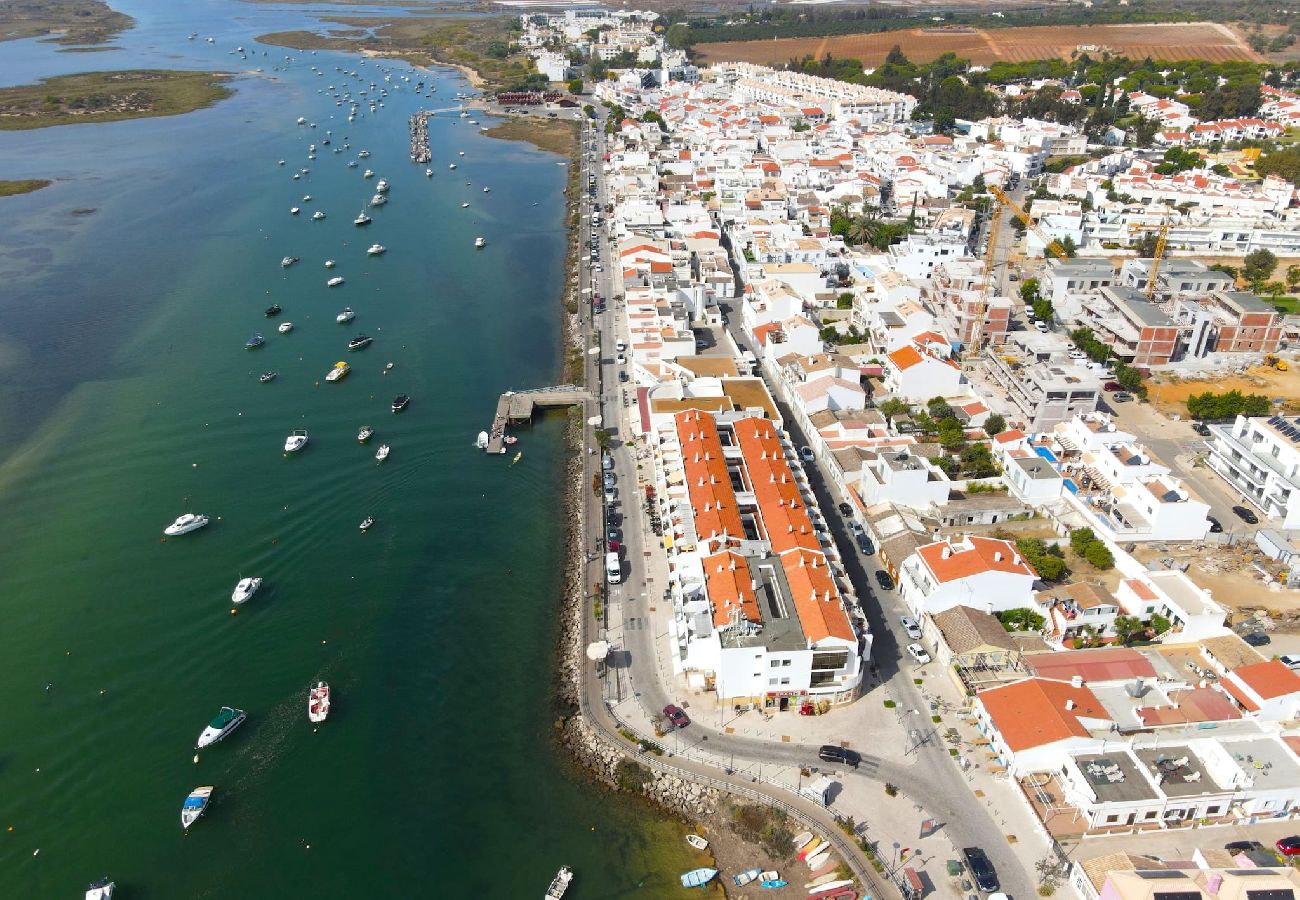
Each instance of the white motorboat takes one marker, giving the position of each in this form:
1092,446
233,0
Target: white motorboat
382,453
462,153
335,281
382,186
368,174
482,440
302,120
285,327
287,261
697,842
296,176
102,889
329,263
361,219
377,250
246,587
339,372
378,200
352,164
464,206
195,805
318,215
360,341
365,434
185,524
559,884
363,154
428,173
480,242
295,441
318,702
293,210
487,190
306,198
346,316
452,166
280,163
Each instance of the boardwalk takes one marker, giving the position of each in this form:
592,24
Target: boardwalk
516,407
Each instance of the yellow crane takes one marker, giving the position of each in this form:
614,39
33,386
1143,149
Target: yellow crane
1050,245
1162,234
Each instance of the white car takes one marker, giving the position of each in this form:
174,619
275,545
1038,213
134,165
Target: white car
1041,326
1078,354
909,625
917,652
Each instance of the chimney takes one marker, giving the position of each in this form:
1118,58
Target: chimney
1016,558
997,556
1076,681
1069,705
946,553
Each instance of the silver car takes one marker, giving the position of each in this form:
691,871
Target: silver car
909,625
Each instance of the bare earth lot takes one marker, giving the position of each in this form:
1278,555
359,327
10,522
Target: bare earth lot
982,46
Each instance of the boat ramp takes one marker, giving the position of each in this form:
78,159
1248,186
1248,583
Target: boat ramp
517,407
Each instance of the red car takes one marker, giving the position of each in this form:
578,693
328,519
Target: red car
681,720
1289,846
1113,386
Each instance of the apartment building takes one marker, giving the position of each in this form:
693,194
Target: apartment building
1259,458
1077,276
1137,330
1228,322
983,573
1042,393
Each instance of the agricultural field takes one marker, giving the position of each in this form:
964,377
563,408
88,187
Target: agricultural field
1208,41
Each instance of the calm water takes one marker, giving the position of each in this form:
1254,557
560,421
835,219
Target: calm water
127,398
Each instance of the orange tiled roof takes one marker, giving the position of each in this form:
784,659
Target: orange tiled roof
782,509
1269,679
905,357
821,613
984,555
730,588
1032,713
713,501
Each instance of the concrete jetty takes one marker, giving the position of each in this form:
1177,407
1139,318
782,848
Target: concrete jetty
517,407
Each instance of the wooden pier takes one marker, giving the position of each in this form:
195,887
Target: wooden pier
517,407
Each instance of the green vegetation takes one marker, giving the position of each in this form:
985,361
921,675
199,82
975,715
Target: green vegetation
1210,405
11,188
763,825
890,704
1020,619
1090,547
108,97
631,776
552,135
995,424
1129,629
1048,560
1179,160
1257,267
1284,163
867,228
67,21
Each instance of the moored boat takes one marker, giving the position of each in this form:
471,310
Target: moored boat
288,261
329,263
267,376
480,243
361,340
185,524
254,342
346,316
518,456
273,310
377,250
318,702
195,805
221,725
365,434
694,840
245,588
362,219
367,522
698,877
335,281
318,215
285,327
382,453
295,441
293,210
482,440
559,884
400,402
382,186
367,174
746,877
378,200
103,888
339,372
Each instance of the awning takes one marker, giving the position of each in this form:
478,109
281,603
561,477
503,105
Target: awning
598,650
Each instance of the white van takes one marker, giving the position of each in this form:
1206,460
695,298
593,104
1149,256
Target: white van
620,345
613,568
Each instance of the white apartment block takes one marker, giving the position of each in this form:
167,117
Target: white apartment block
1259,458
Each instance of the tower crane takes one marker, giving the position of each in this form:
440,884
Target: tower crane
1162,233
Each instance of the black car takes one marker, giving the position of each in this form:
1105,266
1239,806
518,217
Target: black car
865,545
845,510
883,579
622,376
1216,527
833,754
1204,431
986,879
1246,515
1257,639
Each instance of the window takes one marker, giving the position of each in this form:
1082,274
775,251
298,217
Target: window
785,662
775,663
771,682
785,680
1212,810
1112,819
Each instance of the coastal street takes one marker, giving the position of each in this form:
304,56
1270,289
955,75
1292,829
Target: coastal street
637,619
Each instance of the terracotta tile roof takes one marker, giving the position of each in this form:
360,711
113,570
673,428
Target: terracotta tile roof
785,518
708,482
821,612
1032,713
730,588
1196,705
1006,437
1107,664
905,357
1269,679
965,629
983,555
1239,695
1141,589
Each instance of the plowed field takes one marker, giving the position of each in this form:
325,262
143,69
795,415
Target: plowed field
982,46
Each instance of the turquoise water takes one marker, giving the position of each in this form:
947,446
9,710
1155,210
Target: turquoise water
127,398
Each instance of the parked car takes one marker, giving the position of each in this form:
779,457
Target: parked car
1113,386
1216,527
611,533
1257,639
1289,846
1291,661
909,625
1201,428
610,494
622,376
917,652
883,579
831,753
676,716
865,545
1122,397
845,510
609,479
1041,326
986,879
607,462
621,359
806,454
1246,515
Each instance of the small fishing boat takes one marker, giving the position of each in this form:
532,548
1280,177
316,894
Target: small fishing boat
480,243
254,342
306,198
221,725
288,261
829,889
428,173
367,174
801,839
698,877
382,186
695,840
102,889
363,154
318,215
365,434
487,190
346,316
352,164
518,456
810,848
339,372
820,859
295,441
318,702
400,402
335,281
293,210
361,340
185,524
462,153
746,877
285,327
329,264
378,200
464,206
273,310
267,377
195,805
452,166
382,453
510,439
559,884
377,250
362,219
244,590
367,522
482,440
